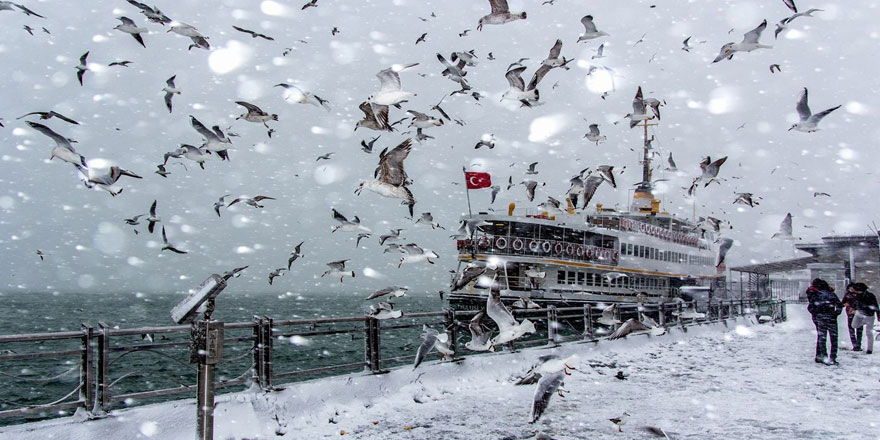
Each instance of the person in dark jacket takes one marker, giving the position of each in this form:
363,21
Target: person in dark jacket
824,306
866,308
849,300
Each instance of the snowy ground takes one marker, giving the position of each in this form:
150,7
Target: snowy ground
739,381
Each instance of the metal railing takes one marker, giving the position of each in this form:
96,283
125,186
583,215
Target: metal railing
106,367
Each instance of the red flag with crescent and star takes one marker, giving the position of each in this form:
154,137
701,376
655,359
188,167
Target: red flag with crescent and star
477,180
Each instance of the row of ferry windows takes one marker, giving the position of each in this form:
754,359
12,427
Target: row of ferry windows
574,278
545,232
640,251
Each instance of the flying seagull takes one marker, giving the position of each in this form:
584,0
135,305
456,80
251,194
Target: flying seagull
785,231
590,31
428,219
129,27
710,170
685,46
107,181
337,269
809,122
255,114
297,253
63,148
393,291
49,115
275,273
500,14
748,44
367,147
391,91
151,12
375,117
746,199
220,203
82,67
255,201
431,340
153,218
168,246
783,24
391,179
480,335
413,253
384,310
346,225
508,328
170,90
724,246
392,237
253,34
548,385
593,135
303,97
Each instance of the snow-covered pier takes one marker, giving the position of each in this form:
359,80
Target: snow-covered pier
736,379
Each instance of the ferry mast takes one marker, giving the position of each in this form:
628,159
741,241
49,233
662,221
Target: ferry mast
643,196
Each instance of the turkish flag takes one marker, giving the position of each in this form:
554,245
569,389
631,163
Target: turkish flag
477,180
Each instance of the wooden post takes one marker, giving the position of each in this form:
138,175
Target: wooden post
588,321
87,370
103,397
552,324
268,343
451,331
662,315
259,376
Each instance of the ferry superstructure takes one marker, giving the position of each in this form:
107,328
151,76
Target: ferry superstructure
569,256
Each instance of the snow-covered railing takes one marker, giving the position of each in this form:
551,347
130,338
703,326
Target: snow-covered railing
267,352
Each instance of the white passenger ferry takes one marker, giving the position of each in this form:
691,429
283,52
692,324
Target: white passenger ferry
568,257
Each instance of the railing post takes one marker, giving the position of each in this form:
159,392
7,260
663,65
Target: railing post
268,344
552,324
588,321
451,331
259,376
372,344
103,397
87,370
662,315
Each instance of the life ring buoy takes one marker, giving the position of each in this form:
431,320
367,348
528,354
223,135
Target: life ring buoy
588,252
501,243
558,248
614,256
534,246
579,251
546,247
642,227
569,249
518,244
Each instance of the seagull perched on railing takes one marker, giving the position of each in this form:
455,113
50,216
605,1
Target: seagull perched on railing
748,44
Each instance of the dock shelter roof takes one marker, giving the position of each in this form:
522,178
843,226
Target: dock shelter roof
779,266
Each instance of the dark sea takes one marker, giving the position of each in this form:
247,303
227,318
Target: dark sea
39,381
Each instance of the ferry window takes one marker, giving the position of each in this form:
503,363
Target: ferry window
571,277
629,249
551,233
589,278
496,228
653,253
581,277
560,277
574,236
524,230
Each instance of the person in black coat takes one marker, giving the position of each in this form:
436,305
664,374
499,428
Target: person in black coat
825,307
866,308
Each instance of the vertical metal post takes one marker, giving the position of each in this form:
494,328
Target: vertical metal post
588,321
680,310
373,346
268,345
103,369
205,410
86,369
259,374
451,331
662,315
552,324
207,349
368,348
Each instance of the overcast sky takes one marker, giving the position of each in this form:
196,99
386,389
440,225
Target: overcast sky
124,121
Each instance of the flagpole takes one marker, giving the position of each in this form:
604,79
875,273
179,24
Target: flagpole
467,192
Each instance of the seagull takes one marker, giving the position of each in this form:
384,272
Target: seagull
548,385
500,14
790,4
468,57
600,52
303,97
275,273
384,310
466,228
234,273
82,67
190,152
785,231
253,34
428,219
213,140
748,44
671,163
153,218
421,120
49,115
508,328
809,122
723,247
620,421
375,117
311,4
346,225
640,110
480,335
367,147
337,268
63,148
746,199
152,13
255,201
783,24
297,253
24,10
776,67
593,135
220,204
393,291
29,29
414,254
613,277
391,178
325,156
40,254
255,114
495,190
486,141
360,237
106,181
710,170
134,221
685,46
119,63
531,185
531,169
590,31
170,90
606,173
129,27
186,30
421,38
168,246
553,60
525,303
431,340
391,91
392,237
817,194
518,91
607,317
470,273
635,327
455,72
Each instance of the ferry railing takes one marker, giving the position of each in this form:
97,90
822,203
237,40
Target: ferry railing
269,353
